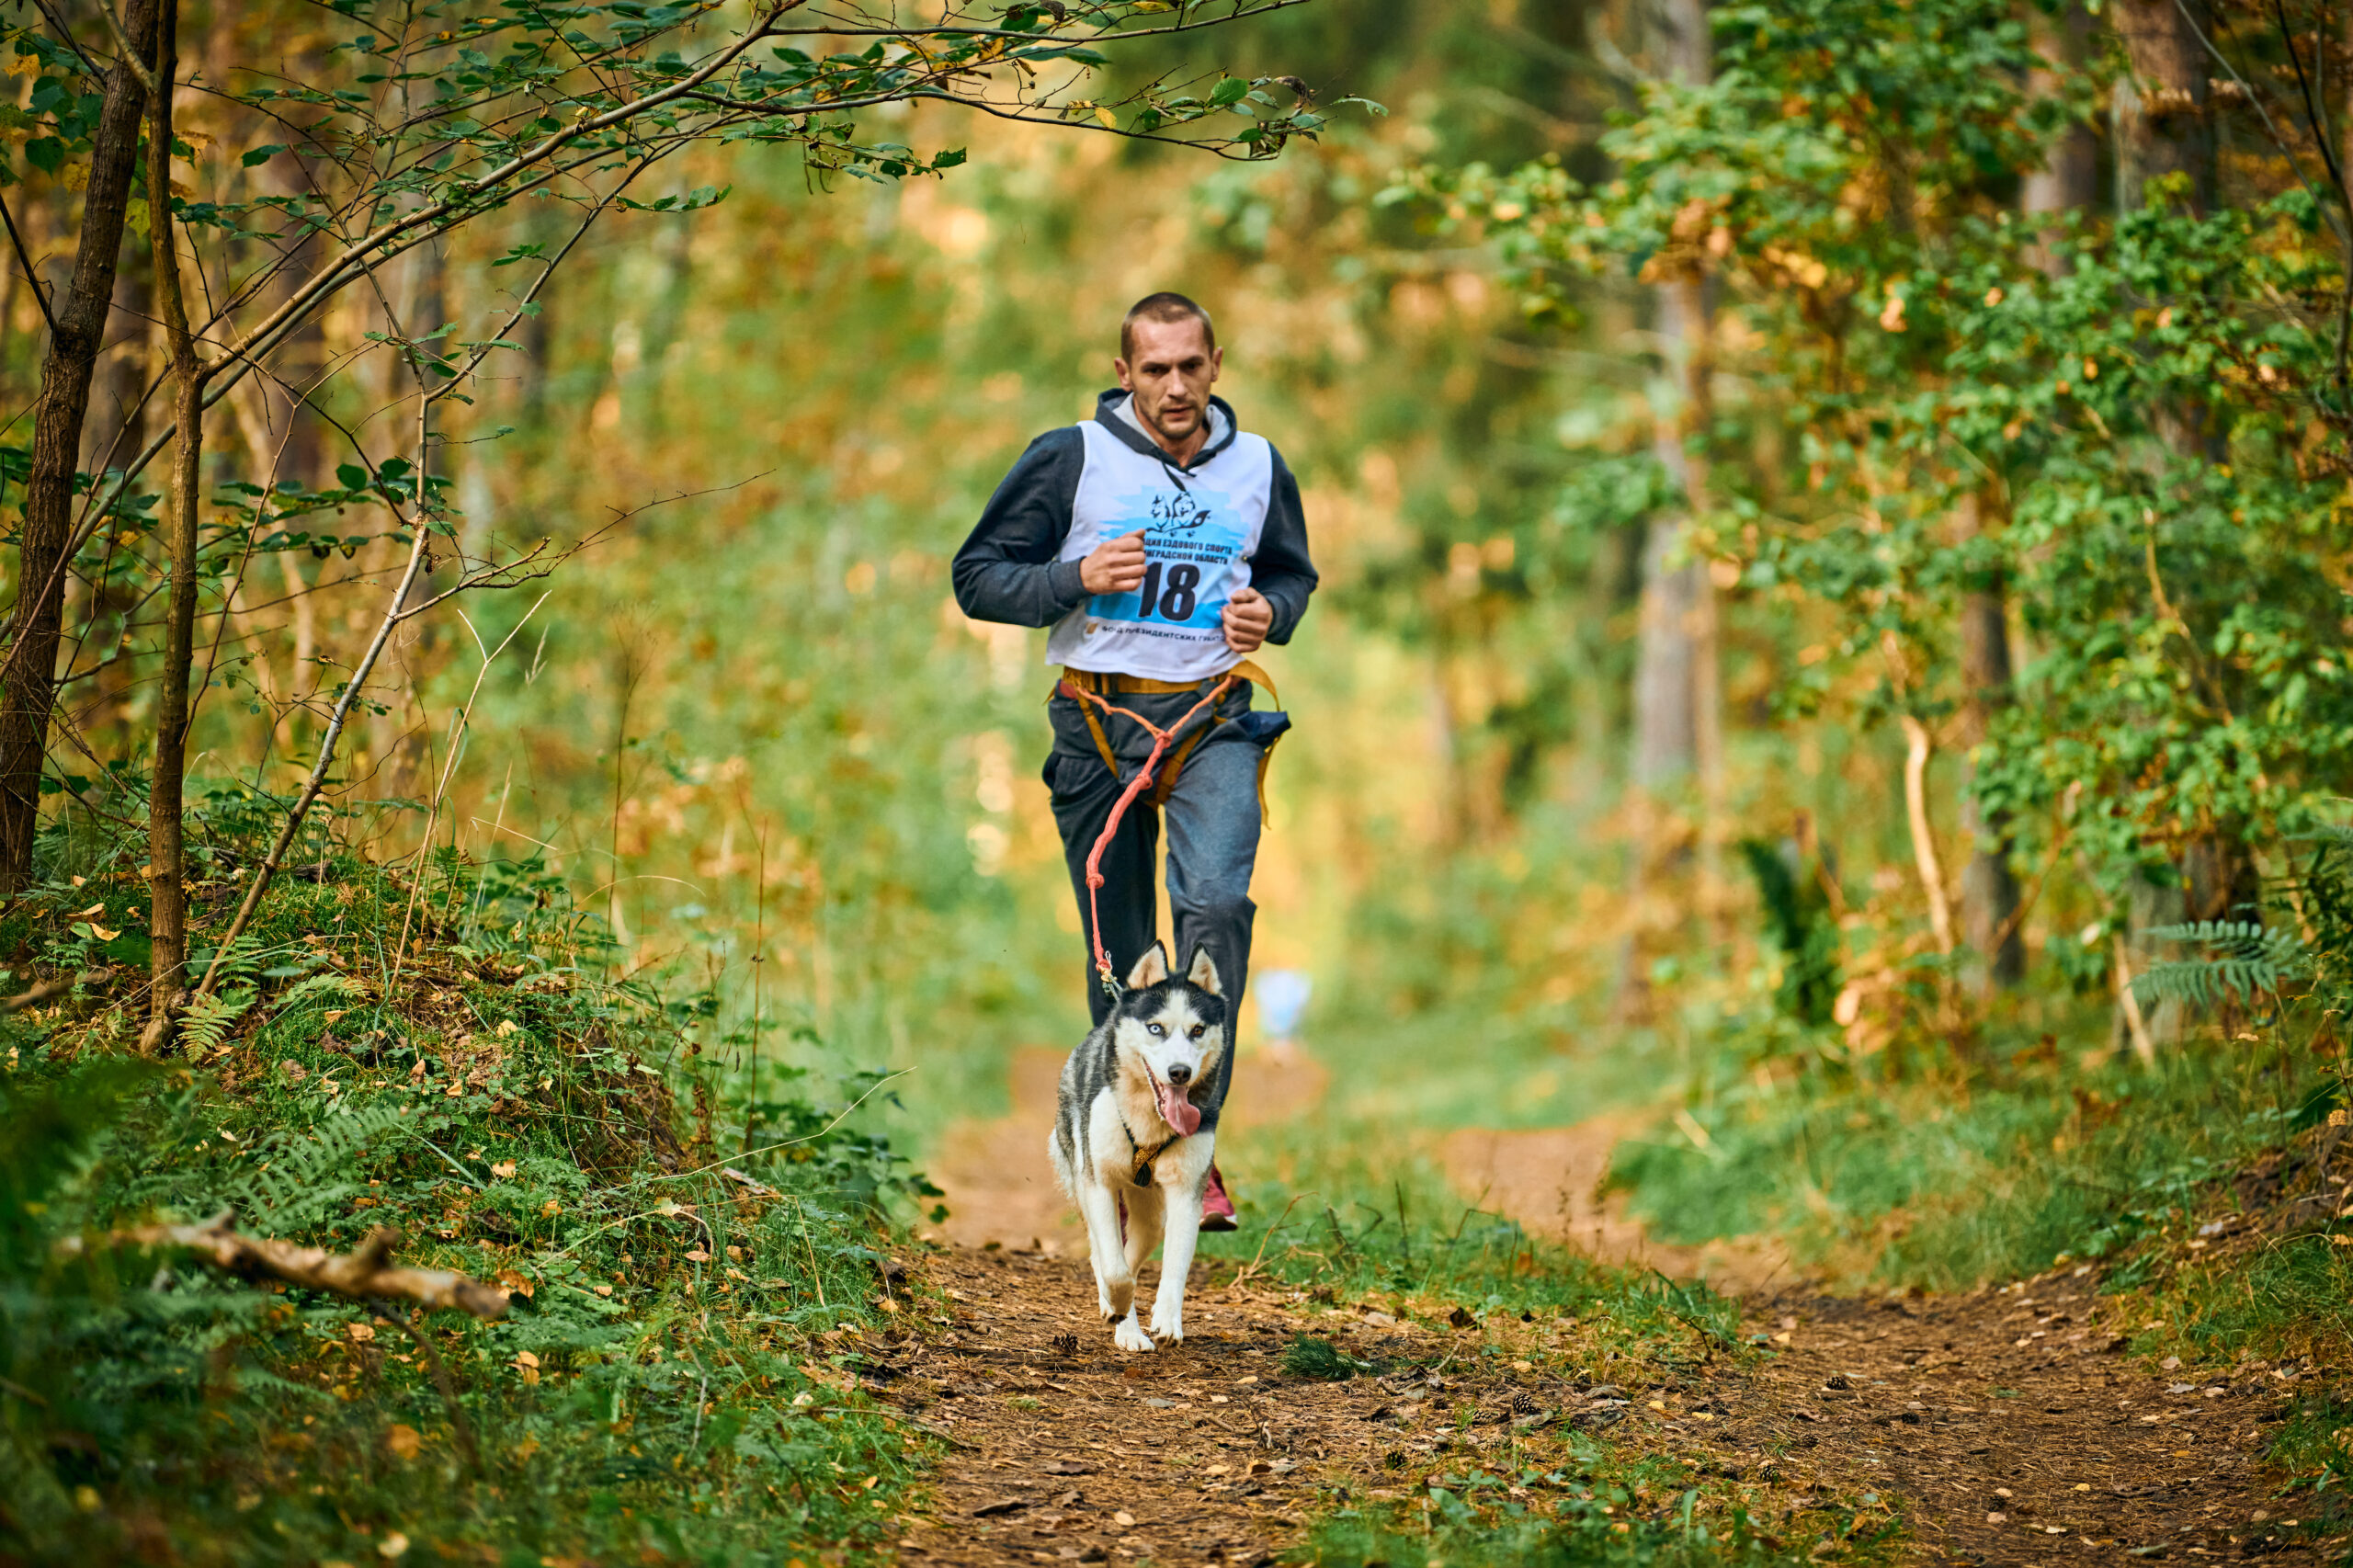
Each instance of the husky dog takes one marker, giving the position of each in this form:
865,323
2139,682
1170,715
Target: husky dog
1128,1143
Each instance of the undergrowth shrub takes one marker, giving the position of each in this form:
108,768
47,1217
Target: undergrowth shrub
693,1279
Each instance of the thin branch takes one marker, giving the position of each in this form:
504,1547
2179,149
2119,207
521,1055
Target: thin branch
355,256
25,260
459,377
318,778
460,724
366,1273
740,111
130,55
1263,8
2311,108
1924,838
65,35
39,993
2336,220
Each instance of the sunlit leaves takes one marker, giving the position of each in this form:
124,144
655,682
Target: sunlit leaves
2150,447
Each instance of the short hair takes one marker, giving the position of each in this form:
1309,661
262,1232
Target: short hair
1162,307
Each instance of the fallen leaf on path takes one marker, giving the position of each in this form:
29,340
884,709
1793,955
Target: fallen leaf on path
1001,1506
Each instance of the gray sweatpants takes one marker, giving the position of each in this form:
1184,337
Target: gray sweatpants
1212,820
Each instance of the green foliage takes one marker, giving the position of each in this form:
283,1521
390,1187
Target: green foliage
1472,1518
206,1023
671,1377
2256,961
1312,1356
1798,915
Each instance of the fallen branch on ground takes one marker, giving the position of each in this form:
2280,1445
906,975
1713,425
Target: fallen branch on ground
366,1273
37,995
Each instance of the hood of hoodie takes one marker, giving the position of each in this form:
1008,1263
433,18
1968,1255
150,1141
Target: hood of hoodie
1114,411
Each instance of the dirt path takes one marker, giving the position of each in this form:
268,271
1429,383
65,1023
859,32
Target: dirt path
2002,1427
1547,1178
2011,1428
999,1188
1998,1429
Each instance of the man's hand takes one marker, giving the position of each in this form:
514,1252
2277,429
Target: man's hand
1115,566
1248,619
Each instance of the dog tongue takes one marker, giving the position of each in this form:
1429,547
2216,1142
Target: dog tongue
1177,1111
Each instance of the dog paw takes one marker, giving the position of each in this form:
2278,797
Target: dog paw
1167,1330
1129,1335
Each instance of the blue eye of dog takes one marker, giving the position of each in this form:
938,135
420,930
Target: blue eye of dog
1156,1028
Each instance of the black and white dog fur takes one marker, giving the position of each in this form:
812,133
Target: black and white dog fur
1127,1131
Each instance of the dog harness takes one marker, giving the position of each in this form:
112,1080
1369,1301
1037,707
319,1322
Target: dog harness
1142,780
1089,686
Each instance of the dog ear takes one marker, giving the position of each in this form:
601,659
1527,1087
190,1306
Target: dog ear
1204,972
1151,968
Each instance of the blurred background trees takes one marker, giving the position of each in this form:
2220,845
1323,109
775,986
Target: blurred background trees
1831,510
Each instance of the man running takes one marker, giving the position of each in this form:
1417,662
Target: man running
1164,547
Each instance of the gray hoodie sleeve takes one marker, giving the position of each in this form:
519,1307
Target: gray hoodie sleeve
1281,569
1006,569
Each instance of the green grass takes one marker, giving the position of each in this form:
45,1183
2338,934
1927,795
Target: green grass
1595,1510
1946,1180
1313,1356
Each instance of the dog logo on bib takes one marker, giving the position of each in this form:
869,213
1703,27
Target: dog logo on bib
1192,544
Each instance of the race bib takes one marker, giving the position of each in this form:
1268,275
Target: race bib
1193,542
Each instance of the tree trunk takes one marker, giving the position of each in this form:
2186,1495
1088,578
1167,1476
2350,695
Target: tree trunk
1672,704
166,846
2163,123
114,431
2164,127
2069,179
1989,889
1676,725
29,688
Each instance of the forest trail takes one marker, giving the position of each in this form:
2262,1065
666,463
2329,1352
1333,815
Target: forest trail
1996,1428
1999,1428
1000,1189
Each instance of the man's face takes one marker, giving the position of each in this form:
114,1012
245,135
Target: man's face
1170,375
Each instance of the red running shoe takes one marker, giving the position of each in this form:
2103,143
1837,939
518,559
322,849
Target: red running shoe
1217,1209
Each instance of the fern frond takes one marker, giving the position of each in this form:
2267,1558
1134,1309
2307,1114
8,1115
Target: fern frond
206,1024
312,1174
241,963
2252,959
319,987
